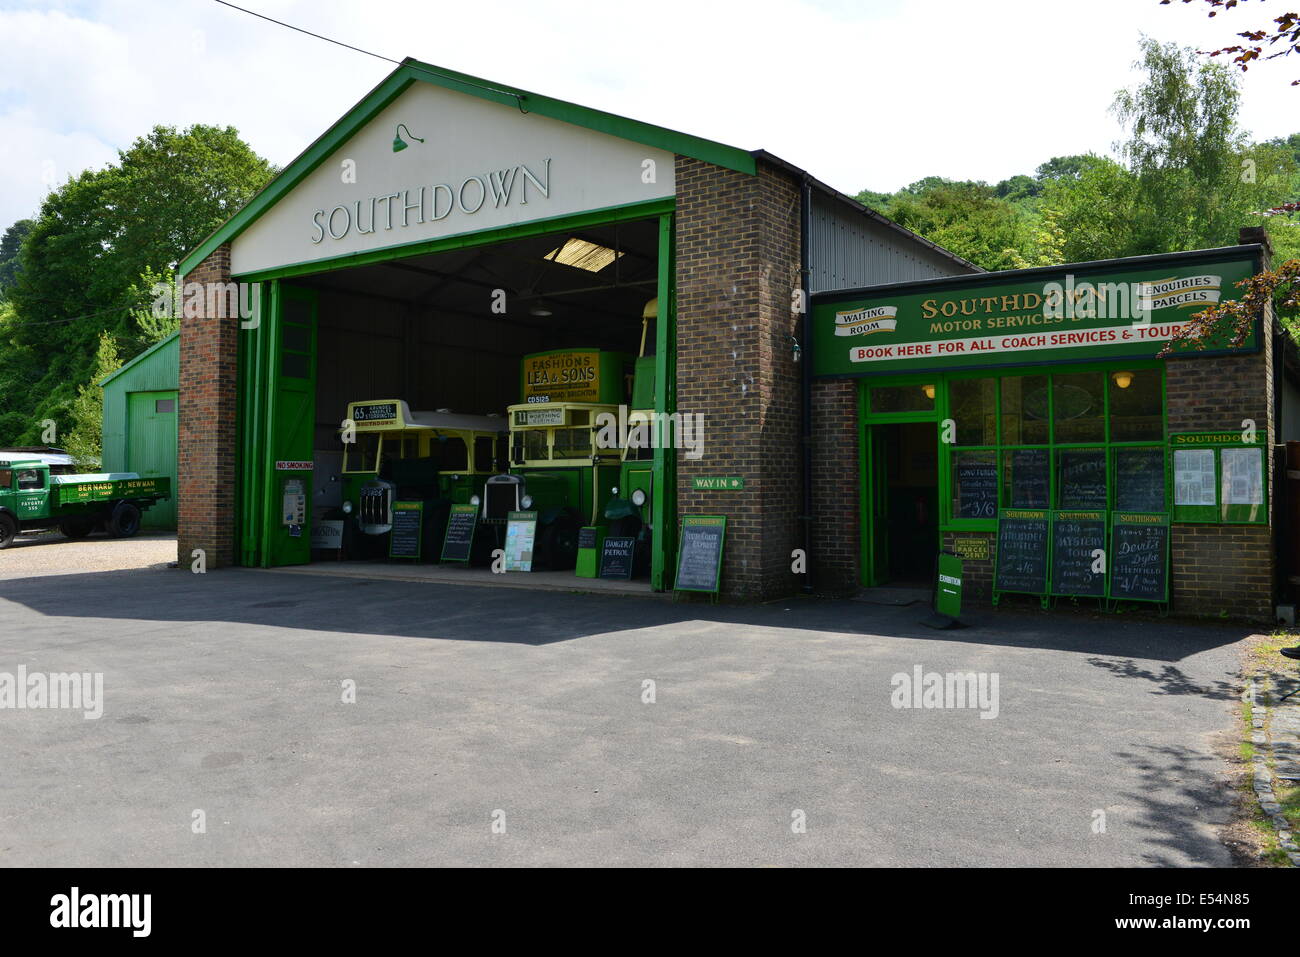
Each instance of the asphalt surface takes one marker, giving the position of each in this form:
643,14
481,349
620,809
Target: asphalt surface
223,694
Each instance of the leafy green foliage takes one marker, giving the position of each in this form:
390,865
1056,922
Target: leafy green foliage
10,243
1186,177
87,264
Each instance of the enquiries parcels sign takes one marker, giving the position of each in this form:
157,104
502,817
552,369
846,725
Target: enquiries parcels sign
1120,309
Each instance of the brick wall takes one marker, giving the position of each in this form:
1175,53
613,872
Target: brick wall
206,426
836,482
737,264
1223,568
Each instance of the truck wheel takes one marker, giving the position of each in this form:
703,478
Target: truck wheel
8,531
76,527
125,520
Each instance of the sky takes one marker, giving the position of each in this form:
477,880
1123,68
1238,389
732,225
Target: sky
873,94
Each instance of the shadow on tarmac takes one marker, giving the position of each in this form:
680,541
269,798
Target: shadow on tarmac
424,610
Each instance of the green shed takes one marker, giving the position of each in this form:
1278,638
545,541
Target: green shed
140,421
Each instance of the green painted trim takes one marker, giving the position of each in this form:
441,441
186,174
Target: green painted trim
140,358
865,519
412,71
424,247
663,509
293,174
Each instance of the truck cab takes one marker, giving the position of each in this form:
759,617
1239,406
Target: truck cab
32,499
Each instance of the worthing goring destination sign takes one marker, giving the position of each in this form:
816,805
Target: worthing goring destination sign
1069,314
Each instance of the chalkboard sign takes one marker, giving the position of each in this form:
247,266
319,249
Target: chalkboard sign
1139,480
521,532
1082,479
1022,551
699,556
616,557
459,540
404,541
1029,470
977,487
1075,537
1139,557
587,536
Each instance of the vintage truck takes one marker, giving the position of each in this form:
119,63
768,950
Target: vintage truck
31,498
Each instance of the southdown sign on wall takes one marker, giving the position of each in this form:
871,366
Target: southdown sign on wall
436,163
1062,314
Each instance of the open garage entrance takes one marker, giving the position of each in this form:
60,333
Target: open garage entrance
471,376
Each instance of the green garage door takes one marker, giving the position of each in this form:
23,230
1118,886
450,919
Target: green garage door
151,448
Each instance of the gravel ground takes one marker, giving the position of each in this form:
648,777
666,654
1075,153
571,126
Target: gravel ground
49,553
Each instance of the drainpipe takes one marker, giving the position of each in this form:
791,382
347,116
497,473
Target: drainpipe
805,335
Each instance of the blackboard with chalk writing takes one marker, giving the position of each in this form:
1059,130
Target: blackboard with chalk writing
459,540
1022,551
977,486
699,554
1079,553
404,540
616,554
1081,479
1139,556
1139,480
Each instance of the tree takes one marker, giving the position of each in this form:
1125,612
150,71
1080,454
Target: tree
10,243
84,441
967,218
98,243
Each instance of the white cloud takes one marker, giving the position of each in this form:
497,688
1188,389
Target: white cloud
863,95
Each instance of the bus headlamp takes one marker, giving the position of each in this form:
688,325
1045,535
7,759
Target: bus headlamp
638,497
474,500
526,501
347,508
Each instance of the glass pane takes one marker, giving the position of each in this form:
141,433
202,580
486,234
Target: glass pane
1025,478
902,398
297,338
1193,476
1024,410
1243,476
1081,478
29,478
1135,406
1078,408
1140,480
572,443
973,406
535,445
359,456
295,366
975,484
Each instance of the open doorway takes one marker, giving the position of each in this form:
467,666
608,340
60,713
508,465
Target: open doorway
904,499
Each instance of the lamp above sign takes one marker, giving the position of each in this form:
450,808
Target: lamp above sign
476,165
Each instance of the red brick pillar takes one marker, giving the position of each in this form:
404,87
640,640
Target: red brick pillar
207,419
836,486
737,253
